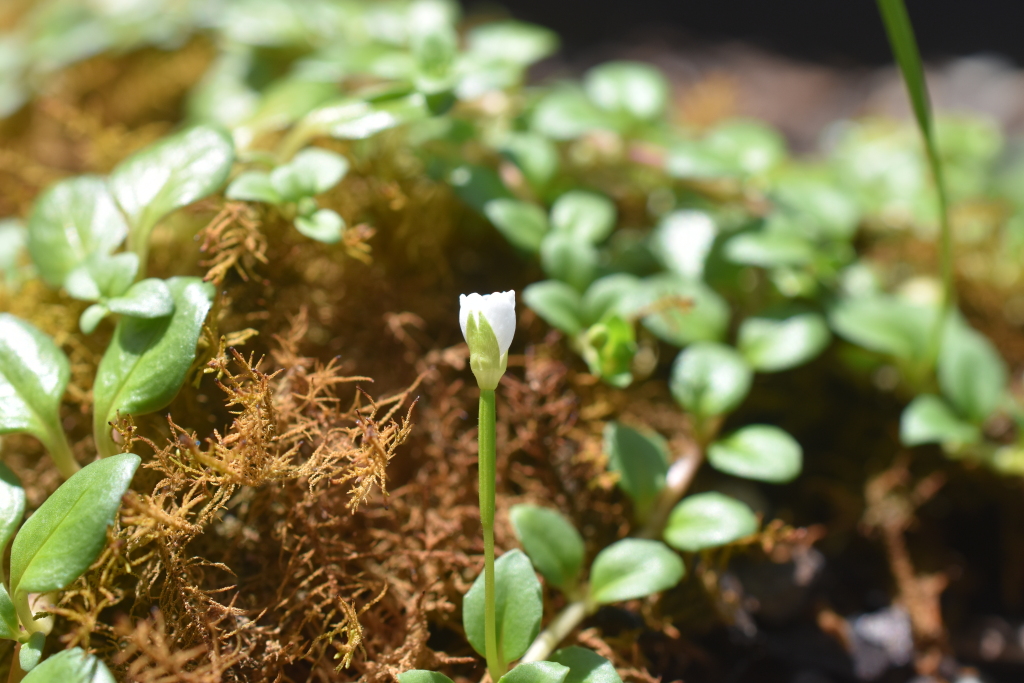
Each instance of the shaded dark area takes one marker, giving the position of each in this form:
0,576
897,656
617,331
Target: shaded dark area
842,32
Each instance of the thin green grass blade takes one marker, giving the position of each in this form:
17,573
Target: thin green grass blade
908,57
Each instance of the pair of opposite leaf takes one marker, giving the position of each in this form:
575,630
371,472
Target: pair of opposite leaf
568,665
76,225
293,186
628,569
50,551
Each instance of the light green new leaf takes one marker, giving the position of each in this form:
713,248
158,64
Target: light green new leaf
552,543
641,461
771,345
32,651
745,146
422,676
253,186
73,219
710,379
708,520
633,88
511,41
609,347
928,419
633,568
761,452
522,223
170,174
9,628
63,537
584,215
884,324
536,672
585,666
311,172
518,607
149,298
70,666
567,258
323,225
972,374
147,359
557,304
34,373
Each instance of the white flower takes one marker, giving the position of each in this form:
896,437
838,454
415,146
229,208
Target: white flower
488,323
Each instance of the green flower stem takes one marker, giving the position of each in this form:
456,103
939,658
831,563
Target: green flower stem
487,457
60,453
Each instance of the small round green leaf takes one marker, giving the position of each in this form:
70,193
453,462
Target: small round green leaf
708,520
149,298
567,258
70,666
100,276
423,676
536,672
884,324
147,359
511,41
535,156
773,345
746,147
641,461
324,226
34,373
566,113
66,534
633,568
557,304
929,419
710,379
683,240
350,119
552,543
522,223
769,249
73,219
679,311
518,607
972,374
761,452
633,88
32,651
311,172
584,215
610,295
253,186
170,174
585,666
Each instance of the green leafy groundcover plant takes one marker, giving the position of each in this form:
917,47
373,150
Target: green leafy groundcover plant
741,262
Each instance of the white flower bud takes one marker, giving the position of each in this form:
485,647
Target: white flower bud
488,324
